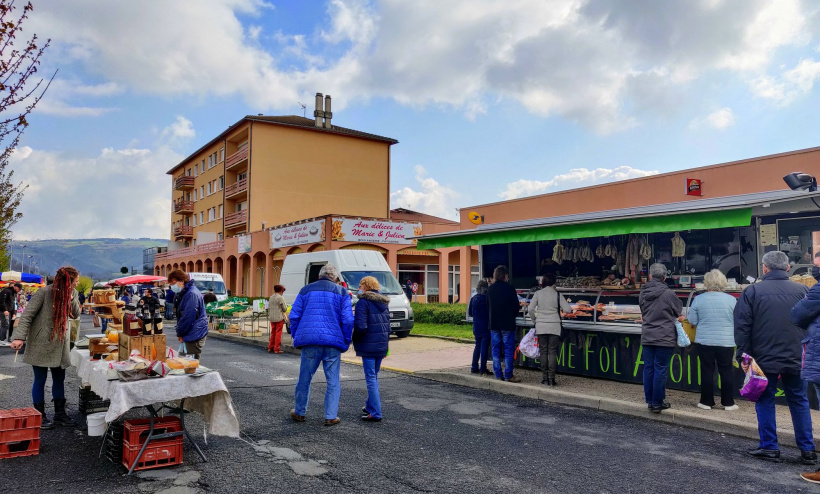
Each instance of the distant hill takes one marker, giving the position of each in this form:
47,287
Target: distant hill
100,258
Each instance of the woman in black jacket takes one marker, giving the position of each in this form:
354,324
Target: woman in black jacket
504,308
371,331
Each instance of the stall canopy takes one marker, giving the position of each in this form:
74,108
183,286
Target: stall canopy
705,214
136,279
22,277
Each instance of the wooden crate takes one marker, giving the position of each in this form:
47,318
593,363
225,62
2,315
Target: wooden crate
142,344
105,296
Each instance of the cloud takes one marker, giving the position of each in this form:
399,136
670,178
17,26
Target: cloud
576,177
720,120
791,85
430,197
117,193
604,64
182,128
56,101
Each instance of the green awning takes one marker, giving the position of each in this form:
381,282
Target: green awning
651,224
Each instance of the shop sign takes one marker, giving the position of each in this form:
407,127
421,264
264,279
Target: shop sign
303,233
694,187
620,357
374,231
244,244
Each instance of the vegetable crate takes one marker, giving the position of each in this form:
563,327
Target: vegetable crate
146,345
114,441
158,453
19,432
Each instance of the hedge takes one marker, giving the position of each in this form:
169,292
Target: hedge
440,313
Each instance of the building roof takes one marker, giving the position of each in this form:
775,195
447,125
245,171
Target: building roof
290,121
772,202
407,214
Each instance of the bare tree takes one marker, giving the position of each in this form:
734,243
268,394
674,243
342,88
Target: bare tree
20,91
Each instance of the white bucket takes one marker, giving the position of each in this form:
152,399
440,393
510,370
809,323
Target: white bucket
96,424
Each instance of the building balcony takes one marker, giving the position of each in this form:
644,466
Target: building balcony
236,158
184,207
186,231
184,182
233,190
237,219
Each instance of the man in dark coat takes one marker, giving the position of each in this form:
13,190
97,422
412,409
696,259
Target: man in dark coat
504,309
408,289
764,330
8,296
660,308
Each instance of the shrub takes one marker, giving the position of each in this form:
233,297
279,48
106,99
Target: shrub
440,313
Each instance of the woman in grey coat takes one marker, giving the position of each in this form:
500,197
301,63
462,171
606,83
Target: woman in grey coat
43,328
545,309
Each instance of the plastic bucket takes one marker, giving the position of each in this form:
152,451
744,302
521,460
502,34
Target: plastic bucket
96,424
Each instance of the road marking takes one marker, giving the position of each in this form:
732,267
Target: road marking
3,376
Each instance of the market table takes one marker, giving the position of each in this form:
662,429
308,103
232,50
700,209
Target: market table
206,394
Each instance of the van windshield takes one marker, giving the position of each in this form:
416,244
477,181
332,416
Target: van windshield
204,285
387,282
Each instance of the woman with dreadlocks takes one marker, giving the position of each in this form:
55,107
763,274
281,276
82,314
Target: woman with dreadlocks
43,327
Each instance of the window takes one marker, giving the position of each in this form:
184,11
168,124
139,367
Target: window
209,189
241,176
211,214
221,183
220,210
188,172
201,217
196,192
203,165
187,196
196,169
242,206
425,275
222,155
210,161
194,220
219,236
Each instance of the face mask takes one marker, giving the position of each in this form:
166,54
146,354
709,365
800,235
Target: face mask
176,288
360,292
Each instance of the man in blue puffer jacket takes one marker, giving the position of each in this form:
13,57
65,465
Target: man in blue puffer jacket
806,314
321,323
192,321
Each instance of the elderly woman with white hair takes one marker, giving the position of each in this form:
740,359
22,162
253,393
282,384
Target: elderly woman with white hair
713,314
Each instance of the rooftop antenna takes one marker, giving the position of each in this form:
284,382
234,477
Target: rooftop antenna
304,108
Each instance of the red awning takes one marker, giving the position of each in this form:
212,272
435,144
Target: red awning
136,279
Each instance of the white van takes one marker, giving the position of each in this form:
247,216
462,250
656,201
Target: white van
210,281
353,265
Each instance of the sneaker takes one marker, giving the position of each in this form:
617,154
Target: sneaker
704,407
813,477
806,457
370,418
731,408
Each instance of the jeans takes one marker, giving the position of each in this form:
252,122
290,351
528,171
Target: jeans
723,356
548,344
655,373
507,340
169,311
330,358
796,390
480,353
275,336
371,377
4,327
38,388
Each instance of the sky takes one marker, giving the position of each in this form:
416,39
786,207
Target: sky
489,100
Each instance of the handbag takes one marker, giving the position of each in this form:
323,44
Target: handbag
683,338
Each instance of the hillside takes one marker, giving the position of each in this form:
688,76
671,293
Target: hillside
100,258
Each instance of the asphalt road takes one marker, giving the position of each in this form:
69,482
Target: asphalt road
435,438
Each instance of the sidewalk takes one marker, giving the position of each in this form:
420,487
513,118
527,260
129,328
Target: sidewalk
448,361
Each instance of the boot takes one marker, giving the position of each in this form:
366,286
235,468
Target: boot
60,417
46,423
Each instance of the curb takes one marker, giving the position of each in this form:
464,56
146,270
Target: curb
288,348
676,417
446,338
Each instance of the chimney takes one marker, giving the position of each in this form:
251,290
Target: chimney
328,113
318,113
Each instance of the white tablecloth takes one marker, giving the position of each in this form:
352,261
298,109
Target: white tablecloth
205,394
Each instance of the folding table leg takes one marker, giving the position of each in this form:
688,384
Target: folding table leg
188,434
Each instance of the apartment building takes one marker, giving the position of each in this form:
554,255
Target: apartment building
235,196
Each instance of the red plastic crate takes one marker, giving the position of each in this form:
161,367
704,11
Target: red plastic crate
136,430
29,447
19,418
158,454
19,435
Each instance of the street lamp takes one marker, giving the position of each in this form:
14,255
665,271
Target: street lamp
29,263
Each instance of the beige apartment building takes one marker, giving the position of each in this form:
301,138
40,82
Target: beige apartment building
235,197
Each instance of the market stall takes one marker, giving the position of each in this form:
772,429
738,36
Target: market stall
601,259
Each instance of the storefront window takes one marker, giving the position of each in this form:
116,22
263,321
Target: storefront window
425,275
796,238
494,256
524,269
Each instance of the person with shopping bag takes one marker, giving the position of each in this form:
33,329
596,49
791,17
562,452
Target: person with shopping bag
545,309
192,321
764,330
